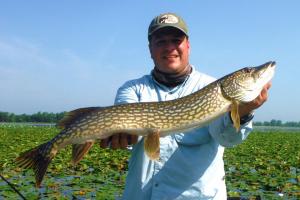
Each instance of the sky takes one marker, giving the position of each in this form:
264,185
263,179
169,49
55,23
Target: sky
65,54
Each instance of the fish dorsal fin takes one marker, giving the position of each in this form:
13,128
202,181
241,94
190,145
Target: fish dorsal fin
235,115
151,145
71,116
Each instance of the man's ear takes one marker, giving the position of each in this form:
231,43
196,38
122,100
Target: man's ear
150,49
188,45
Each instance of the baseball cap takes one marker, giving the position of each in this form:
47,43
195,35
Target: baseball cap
167,20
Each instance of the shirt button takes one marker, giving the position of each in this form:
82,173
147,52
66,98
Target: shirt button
156,184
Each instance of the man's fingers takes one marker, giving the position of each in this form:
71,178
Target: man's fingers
104,142
264,94
115,143
257,102
123,140
133,139
269,84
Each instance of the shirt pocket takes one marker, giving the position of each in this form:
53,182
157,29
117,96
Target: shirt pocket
194,137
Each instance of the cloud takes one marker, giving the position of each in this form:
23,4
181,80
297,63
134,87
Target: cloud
35,78
20,53
76,66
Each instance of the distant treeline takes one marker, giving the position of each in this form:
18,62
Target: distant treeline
55,117
36,117
275,122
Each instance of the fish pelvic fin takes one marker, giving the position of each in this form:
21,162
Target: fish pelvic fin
72,116
79,150
235,115
152,145
37,159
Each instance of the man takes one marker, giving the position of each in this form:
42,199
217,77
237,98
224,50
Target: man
190,164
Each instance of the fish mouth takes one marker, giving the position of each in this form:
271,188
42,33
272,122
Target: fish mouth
269,66
262,75
271,63
266,71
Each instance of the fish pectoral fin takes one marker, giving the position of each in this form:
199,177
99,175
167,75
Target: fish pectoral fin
79,150
151,145
235,115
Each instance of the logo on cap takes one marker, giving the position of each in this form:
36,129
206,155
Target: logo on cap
168,19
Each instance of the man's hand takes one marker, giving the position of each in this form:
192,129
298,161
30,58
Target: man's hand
119,141
246,108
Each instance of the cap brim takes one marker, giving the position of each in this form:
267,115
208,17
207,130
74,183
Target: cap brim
166,26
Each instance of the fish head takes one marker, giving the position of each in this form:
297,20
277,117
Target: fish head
246,84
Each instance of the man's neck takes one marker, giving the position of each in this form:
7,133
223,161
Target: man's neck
171,80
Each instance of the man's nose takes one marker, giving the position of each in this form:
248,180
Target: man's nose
170,45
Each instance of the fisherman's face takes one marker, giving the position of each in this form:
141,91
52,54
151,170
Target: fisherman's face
170,49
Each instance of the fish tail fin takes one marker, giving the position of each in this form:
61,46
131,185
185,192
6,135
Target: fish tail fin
79,150
37,159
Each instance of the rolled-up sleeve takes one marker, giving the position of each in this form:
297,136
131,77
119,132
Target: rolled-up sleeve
225,133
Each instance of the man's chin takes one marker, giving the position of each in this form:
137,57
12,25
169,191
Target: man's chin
171,68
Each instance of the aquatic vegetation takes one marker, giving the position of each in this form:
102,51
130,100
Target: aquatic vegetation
267,164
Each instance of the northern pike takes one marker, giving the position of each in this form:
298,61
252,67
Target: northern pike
81,127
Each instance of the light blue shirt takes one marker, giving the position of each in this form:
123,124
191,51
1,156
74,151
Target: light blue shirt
191,163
